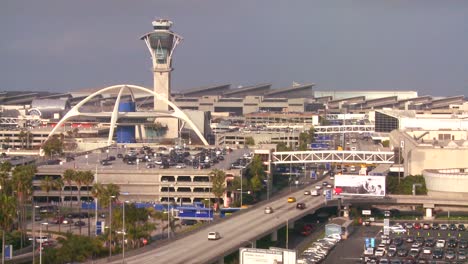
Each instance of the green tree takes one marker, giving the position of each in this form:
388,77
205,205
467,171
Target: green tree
48,184
53,146
58,184
79,179
305,138
137,225
5,183
22,185
249,141
281,146
218,183
74,249
386,143
22,137
406,185
88,179
7,214
69,177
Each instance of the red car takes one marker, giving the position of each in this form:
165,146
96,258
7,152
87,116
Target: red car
307,229
417,226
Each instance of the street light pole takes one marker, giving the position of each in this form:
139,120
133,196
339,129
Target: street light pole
33,232
110,224
168,215
123,233
241,188
40,242
287,233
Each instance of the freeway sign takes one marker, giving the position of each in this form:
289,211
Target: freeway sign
313,175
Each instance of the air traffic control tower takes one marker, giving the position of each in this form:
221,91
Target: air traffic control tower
161,43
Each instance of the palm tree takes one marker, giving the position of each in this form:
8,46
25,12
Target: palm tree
69,177
5,169
88,179
172,223
79,179
22,185
218,183
59,184
21,137
7,214
47,184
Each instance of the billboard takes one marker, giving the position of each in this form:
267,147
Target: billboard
267,256
359,185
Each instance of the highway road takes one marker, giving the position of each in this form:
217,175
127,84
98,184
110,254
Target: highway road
236,232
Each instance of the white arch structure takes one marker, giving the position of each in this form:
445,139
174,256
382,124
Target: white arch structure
74,111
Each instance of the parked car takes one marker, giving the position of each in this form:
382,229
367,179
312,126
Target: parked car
214,236
80,223
452,243
187,222
438,253
461,227
450,254
67,221
440,243
463,243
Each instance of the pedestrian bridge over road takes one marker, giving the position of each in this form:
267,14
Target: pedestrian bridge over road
328,156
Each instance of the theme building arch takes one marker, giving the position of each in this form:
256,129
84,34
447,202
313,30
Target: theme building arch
177,113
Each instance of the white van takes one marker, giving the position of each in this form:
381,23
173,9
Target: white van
214,236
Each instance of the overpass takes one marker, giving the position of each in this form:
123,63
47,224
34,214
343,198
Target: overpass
344,129
328,156
250,225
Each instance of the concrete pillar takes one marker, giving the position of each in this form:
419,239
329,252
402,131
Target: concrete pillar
221,260
429,208
254,244
428,213
274,236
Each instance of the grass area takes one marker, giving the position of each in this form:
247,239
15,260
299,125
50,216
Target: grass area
452,218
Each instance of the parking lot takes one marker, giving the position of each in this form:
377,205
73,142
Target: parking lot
413,246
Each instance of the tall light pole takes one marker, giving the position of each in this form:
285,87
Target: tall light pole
110,224
33,232
240,172
123,232
40,242
168,215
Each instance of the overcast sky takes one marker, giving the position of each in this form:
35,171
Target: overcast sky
68,45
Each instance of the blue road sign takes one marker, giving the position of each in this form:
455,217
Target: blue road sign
8,251
367,242
313,175
99,225
328,195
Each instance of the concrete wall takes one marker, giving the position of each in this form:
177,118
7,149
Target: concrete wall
441,182
419,159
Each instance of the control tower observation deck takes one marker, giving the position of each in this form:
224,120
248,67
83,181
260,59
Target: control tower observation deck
161,43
